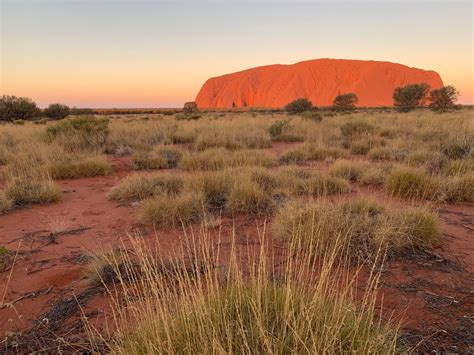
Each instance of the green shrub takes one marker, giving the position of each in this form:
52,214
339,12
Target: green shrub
17,108
190,108
345,102
410,96
299,106
443,99
57,111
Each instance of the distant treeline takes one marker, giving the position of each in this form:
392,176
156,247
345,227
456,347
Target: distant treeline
406,98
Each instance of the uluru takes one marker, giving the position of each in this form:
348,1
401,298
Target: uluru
319,80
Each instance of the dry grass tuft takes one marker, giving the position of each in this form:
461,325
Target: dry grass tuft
365,226
138,187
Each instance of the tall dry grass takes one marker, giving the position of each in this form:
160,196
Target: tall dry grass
220,303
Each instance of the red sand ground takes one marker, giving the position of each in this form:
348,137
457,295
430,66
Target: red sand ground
319,80
432,292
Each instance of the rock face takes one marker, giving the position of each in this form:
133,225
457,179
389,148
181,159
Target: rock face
319,80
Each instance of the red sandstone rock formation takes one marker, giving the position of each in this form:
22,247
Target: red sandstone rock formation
319,80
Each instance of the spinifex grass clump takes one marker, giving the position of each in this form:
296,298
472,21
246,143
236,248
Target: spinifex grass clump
78,167
138,187
230,192
163,157
362,172
309,151
220,158
242,306
86,133
6,204
28,183
411,183
365,227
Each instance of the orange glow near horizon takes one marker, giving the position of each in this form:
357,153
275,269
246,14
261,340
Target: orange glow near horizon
159,54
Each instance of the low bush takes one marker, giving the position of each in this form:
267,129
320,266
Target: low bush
299,182
408,97
217,159
214,187
26,191
456,188
166,210
17,108
146,160
248,197
374,176
79,133
360,227
299,106
443,99
459,148
356,128
411,183
138,187
308,151
233,139
349,170
79,168
345,102
57,111
458,167
387,153
278,128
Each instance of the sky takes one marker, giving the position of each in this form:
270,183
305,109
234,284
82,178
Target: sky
107,53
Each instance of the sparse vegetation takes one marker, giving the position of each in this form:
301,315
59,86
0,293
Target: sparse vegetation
231,171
